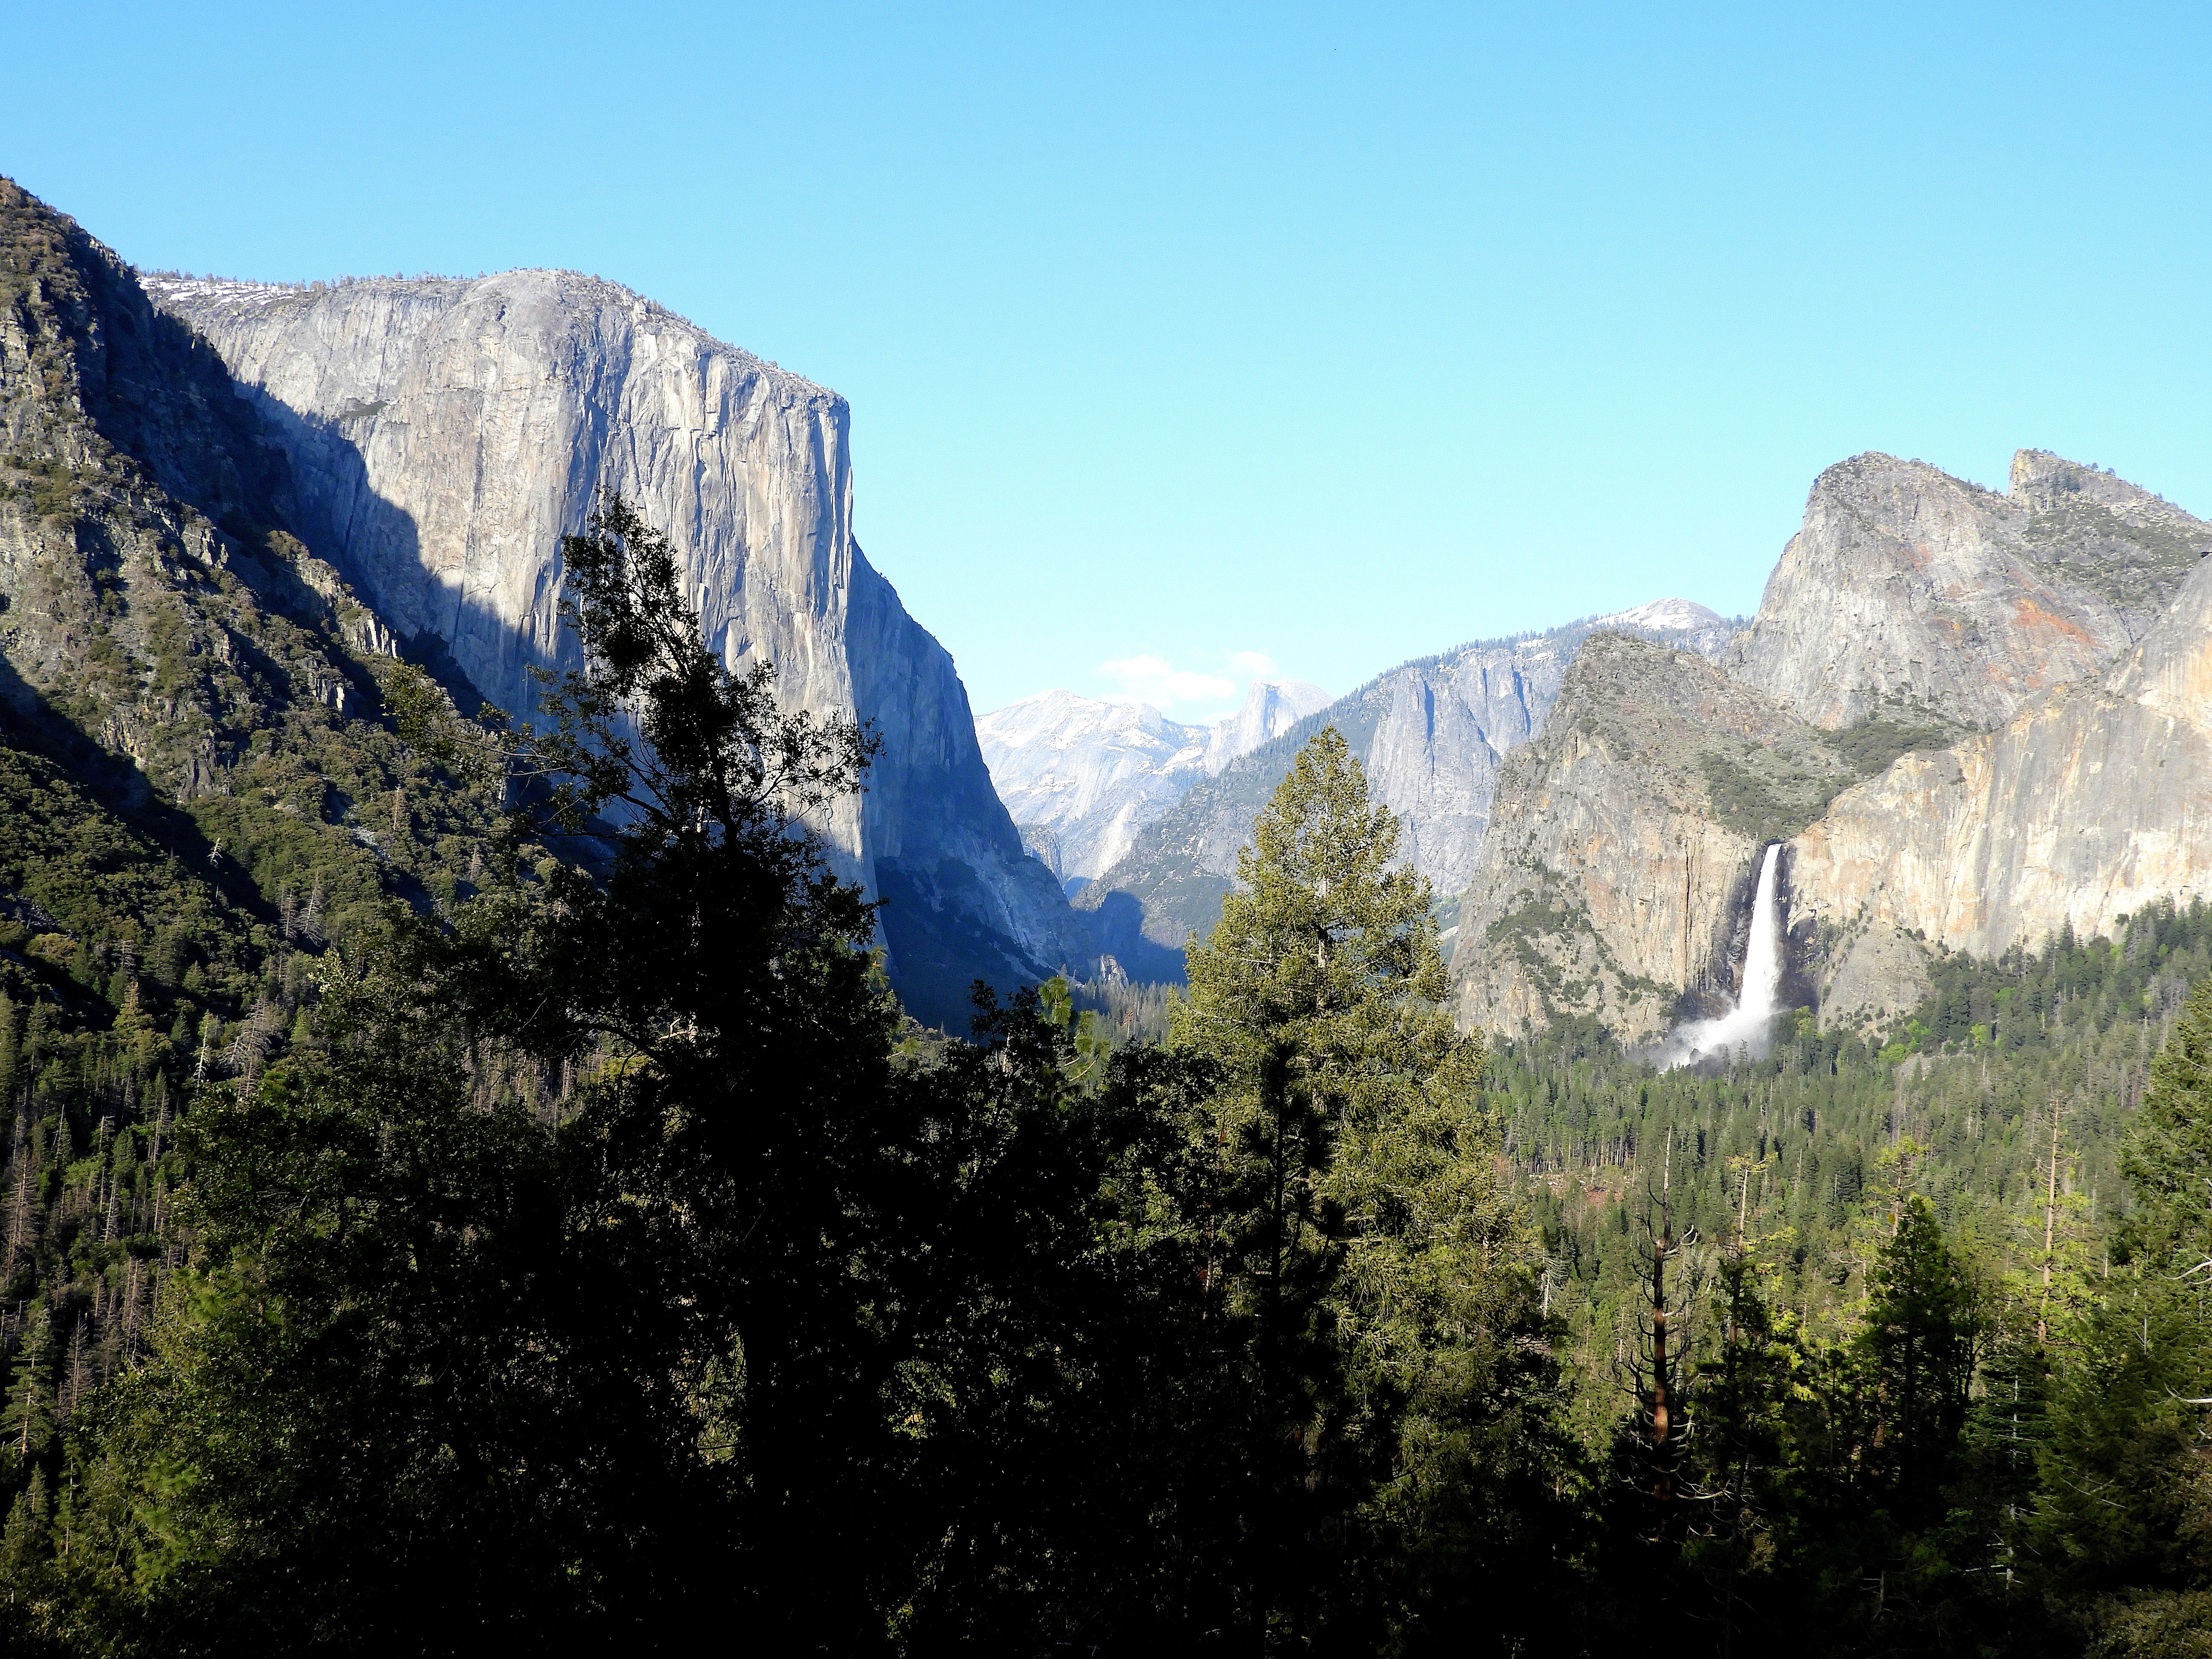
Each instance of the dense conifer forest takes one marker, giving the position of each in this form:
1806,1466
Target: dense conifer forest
533,1220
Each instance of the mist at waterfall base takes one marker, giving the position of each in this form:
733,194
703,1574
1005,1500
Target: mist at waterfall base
1744,1027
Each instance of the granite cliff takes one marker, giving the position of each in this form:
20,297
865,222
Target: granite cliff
1976,719
1907,587
1270,708
441,435
1432,734
1622,839
2092,801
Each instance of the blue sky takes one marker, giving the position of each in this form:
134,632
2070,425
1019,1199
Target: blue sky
1213,336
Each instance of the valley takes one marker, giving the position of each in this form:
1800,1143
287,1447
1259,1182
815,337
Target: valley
562,1077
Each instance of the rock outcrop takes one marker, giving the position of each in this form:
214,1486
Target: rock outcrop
2070,618
443,436
1430,734
1081,775
1908,588
2090,802
1624,841
1271,708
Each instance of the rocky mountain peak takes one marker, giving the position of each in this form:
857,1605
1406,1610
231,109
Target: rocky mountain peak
1271,708
1909,593
1082,775
1664,616
1065,720
1430,732
2042,481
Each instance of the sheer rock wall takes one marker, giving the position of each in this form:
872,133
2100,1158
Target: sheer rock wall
443,434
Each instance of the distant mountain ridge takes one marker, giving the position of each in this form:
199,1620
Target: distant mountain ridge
1081,775
1431,734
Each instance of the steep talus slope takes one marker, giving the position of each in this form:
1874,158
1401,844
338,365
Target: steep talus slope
1907,586
1622,839
168,645
1431,734
2091,801
443,434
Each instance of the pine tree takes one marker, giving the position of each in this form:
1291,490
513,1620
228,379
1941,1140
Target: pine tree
8,1054
1373,1267
22,1213
2172,1148
24,1541
2124,1500
1924,1323
26,1421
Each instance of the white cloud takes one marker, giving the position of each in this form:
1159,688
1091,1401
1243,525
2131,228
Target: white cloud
1251,665
1159,682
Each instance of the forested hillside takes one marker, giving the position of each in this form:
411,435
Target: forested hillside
195,801
1958,1104
1936,1333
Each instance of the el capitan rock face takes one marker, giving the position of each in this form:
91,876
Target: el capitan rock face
443,434
1908,588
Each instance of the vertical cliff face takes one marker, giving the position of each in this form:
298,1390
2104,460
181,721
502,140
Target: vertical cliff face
1432,734
1623,842
1907,587
2090,802
443,434
1270,708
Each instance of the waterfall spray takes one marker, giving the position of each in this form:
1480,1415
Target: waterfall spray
1745,1026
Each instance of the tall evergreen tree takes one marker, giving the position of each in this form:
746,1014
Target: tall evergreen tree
2125,1505
27,1421
1922,1332
467,1363
1374,1275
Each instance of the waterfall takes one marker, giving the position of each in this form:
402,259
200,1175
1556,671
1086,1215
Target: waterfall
1744,1026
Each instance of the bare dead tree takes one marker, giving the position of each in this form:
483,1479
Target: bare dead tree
1654,1367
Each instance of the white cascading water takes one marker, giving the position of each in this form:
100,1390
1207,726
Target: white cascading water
1744,1026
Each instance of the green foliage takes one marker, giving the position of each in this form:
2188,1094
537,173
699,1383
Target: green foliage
1128,1012
1374,1271
1883,1453
1757,794
1881,737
